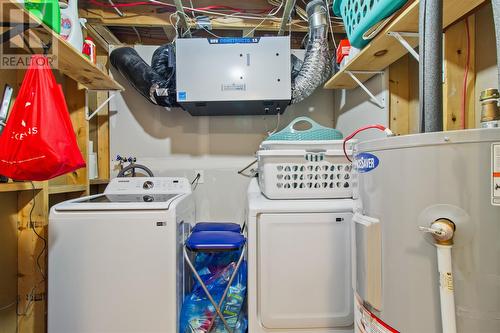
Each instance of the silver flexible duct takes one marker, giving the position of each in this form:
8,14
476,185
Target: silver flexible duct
496,17
316,68
431,65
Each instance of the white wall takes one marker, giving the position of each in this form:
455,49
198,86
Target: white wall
174,143
354,108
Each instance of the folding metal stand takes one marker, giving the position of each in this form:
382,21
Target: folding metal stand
215,237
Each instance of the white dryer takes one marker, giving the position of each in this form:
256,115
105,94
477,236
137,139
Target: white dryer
115,259
299,265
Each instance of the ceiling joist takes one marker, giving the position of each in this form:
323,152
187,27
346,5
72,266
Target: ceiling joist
153,19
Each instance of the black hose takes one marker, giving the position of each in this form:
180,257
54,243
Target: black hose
132,167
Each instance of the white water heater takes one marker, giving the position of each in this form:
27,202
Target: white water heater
404,183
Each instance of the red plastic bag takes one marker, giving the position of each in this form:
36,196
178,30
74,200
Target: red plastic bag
38,142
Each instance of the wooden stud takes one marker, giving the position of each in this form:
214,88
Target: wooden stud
455,54
103,158
76,107
399,106
31,283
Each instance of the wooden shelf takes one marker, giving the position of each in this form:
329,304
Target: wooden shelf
57,189
68,60
384,50
19,186
99,181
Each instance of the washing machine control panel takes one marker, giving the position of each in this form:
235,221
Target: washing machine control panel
148,185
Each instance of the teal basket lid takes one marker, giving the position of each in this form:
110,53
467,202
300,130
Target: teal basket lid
336,7
315,132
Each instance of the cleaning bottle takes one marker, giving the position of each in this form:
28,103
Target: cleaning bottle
71,31
46,10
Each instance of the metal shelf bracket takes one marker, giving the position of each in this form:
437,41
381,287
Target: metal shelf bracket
352,74
103,104
400,37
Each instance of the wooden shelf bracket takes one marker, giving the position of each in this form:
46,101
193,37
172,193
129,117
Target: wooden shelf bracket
352,74
400,37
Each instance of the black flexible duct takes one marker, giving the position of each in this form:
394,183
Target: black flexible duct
157,82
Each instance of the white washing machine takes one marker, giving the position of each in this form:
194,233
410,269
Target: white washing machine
299,265
115,259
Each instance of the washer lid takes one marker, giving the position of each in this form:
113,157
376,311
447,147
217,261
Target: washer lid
430,139
120,202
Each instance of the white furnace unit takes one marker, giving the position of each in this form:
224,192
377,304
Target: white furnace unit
115,259
233,76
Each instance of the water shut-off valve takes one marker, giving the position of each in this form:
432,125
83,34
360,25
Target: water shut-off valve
442,230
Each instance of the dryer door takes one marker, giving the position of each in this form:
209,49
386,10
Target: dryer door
304,270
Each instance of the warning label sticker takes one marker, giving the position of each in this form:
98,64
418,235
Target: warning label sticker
367,322
234,87
495,166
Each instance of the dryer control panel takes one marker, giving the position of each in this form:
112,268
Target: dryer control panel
148,185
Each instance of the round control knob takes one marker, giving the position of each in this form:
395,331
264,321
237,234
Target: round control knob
148,198
148,185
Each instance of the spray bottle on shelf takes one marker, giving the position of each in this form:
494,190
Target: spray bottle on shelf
71,30
89,50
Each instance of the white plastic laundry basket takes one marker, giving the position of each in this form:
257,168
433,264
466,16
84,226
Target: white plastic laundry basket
304,173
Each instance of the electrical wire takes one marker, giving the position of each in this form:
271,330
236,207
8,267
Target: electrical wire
265,19
44,240
8,306
466,75
253,172
193,21
364,128
31,295
249,16
138,34
196,181
278,116
193,9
